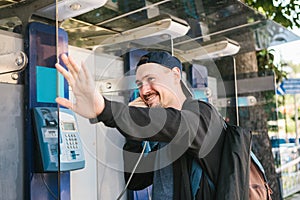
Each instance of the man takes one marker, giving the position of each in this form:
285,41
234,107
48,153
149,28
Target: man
185,129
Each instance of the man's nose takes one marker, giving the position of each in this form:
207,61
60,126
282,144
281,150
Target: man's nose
145,88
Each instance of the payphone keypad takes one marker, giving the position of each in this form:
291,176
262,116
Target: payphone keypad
71,141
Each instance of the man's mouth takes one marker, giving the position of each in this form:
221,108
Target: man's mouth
149,98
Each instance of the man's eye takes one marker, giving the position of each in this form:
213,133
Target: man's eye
139,84
150,79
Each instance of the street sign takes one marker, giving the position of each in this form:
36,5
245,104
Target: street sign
290,86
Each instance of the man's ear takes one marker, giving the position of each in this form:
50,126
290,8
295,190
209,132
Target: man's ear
176,71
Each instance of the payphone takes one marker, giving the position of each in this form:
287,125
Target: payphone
49,160
48,129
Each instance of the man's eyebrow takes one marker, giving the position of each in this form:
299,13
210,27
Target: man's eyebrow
143,77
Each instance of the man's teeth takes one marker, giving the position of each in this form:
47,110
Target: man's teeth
151,97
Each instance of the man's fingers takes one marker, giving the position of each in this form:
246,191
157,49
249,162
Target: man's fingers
74,65
64,72
86,72
65,60
64,102
138,102
75,70
70,64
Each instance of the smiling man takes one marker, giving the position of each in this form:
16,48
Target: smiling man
158,78
183,129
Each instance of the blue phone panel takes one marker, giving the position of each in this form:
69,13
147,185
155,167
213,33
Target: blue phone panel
47,87
42,58
40,91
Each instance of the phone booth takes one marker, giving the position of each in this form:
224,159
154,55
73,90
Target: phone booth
53,146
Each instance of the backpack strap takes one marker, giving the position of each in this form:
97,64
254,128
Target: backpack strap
192,182
185,177
258,164
196,176
192,177
255,161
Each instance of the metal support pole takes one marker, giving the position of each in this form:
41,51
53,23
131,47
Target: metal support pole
296,120
285,116
236,92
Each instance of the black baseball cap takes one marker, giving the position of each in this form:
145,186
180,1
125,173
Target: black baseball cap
167,60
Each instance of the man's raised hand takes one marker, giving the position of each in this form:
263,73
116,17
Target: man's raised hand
88,101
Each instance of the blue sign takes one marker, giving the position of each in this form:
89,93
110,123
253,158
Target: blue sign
289,86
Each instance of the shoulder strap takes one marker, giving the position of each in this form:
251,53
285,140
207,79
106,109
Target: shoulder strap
258,164
195,177
185,177
192,182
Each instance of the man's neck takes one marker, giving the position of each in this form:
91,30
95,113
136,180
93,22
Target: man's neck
178,103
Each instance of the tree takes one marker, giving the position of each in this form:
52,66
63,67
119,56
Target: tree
265,61
283,12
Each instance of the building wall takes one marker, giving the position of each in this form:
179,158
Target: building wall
102,177
11,122
11,143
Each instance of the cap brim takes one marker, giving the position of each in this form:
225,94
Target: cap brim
187,92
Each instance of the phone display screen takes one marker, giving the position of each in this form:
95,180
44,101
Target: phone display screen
69,126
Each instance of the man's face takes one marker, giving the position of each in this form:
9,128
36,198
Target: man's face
156,84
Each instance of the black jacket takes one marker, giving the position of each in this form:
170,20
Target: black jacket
195,131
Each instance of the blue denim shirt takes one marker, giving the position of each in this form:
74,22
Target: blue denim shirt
162,188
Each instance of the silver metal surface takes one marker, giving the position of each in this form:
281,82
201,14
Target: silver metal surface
12,58
11,143
249,85
13,62
117,85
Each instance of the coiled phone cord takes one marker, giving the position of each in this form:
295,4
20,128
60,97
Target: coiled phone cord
133,171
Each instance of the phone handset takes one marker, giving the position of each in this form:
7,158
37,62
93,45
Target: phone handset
48,117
